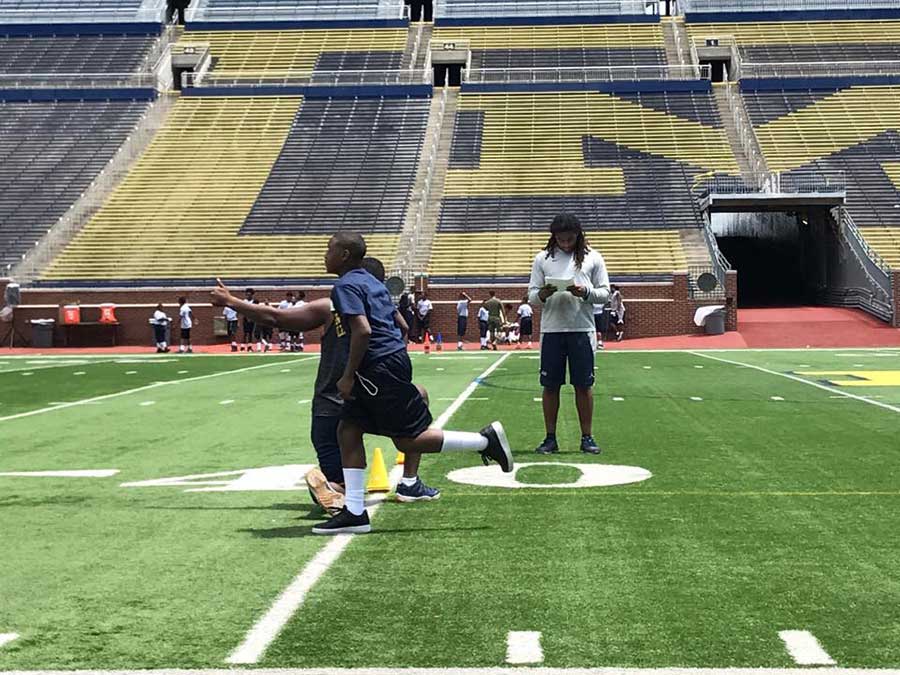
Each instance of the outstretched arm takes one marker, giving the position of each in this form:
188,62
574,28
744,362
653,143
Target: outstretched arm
314,314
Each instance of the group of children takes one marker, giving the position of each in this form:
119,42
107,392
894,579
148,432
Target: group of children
161,321
262,333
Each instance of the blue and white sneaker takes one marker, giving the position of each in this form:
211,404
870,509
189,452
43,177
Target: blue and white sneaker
417,492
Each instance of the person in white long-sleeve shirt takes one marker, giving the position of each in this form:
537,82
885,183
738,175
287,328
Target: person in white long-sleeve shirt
567,323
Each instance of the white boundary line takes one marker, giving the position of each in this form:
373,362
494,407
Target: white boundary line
270,625
6,638
474,671
804,648
146,387
817,385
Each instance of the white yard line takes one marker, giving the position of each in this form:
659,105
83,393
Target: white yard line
147,387
76,473
6,638
804,648
474,671
270,625
524,646
817,385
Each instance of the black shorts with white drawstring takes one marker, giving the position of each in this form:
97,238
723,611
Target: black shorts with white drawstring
385,400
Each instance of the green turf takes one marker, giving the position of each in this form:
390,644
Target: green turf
762,515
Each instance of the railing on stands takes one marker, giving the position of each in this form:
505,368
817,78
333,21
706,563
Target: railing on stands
878,298
591,74
151,11
431,147
77,80
95,195
676,34
746,133
306,78
336,10
781,5
825,69
777,183
159,49
451,9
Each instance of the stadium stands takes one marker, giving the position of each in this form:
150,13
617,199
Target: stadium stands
510,254
578,46
622,162
179,213
49,154
277,53
346,164
885,241
80,11
854,129
73,54
294,10
468,10
808,41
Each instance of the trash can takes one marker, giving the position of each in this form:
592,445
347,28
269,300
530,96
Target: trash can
715,323
42,332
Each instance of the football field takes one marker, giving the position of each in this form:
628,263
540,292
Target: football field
154,517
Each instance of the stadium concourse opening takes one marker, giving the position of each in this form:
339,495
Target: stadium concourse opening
782,260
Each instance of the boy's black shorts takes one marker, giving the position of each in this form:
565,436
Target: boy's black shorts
232,328
573,349
185,333
526,327
386,402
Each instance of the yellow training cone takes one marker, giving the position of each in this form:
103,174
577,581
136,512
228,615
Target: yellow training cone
378,478
400,458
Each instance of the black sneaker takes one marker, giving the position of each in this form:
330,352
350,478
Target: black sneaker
589,445
498,447
345,523
549,446
417,492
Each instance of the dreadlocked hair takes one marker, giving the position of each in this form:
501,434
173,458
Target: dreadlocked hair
567,222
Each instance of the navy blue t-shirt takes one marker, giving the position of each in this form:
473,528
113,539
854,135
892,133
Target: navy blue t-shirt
358,293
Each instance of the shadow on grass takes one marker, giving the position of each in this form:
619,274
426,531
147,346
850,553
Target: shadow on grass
306,531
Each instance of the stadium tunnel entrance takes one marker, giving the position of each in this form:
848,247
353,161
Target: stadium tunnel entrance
782,259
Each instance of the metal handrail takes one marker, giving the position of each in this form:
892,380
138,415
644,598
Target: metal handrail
307,78
849,226
445,9
368,9
781,5
76,80
834,182
819,69
588,74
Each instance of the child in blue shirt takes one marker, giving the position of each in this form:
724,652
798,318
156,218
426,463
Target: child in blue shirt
377,388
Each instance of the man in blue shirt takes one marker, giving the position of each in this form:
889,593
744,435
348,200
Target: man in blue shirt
377,388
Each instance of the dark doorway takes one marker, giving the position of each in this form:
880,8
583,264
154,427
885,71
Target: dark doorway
782,269
720,68
420,11
447,75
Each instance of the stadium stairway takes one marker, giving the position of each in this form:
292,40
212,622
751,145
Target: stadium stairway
720,93
414,250
670,36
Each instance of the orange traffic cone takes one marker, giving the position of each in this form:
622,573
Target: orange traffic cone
427,343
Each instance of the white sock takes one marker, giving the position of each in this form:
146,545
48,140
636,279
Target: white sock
405,480
459,344
463,441
355,486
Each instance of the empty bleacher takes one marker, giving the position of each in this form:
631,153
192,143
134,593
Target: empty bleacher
279,53
347,164
73,54
623,163
49,154
510,254
467,9
808,41
565,46
855,130
179,213
282,10
80,11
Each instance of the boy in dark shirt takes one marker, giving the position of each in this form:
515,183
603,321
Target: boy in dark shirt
376,386
326,483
